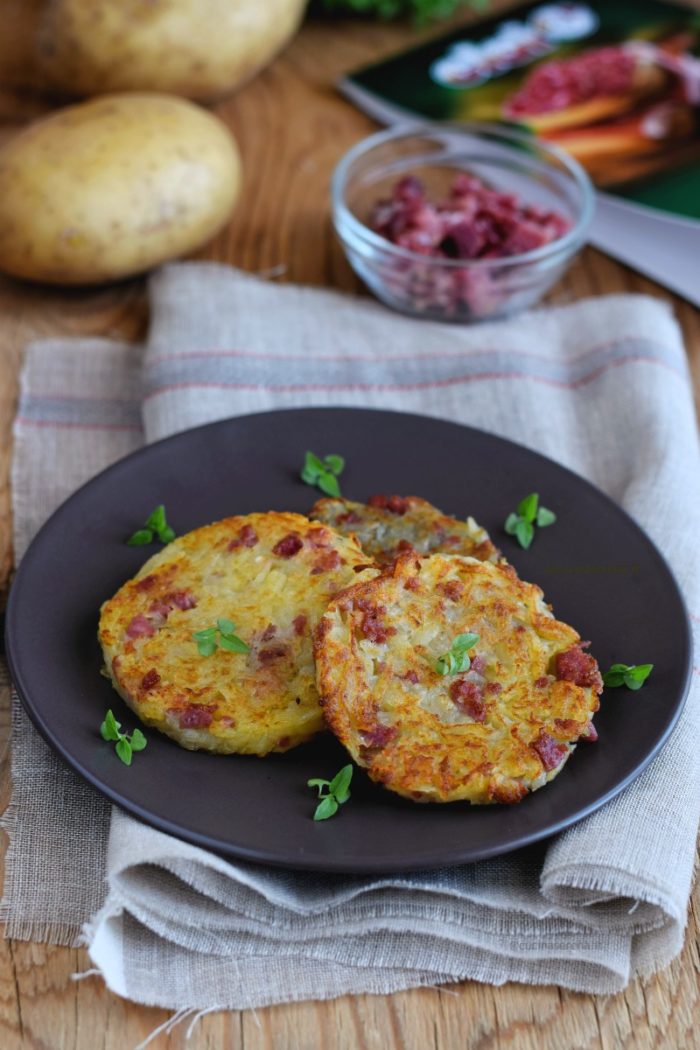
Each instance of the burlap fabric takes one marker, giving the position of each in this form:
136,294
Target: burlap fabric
603,387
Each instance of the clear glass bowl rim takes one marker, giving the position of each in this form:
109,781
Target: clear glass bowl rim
344,219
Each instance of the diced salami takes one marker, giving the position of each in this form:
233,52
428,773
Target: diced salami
150,679
453,589
591,734
379,736
140,627
288,546
173,600
467,696
578,667
327,561
299,624
371,625
275,652
196,716
550,751
320,537
394,504
350,518
146,583
247,537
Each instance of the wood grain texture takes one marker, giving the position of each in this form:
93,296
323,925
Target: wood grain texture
292,128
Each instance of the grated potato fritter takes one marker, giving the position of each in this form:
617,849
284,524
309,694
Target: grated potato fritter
491,733
271,574
386,526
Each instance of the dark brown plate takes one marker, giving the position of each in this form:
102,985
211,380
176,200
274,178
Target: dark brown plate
596,566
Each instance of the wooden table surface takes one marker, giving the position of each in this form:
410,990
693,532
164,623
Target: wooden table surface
292,127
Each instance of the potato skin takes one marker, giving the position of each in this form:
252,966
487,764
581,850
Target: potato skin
197,48
112,187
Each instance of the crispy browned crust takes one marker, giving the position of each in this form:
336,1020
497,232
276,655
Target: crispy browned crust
376,649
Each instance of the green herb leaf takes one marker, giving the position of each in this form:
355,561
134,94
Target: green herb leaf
233,644
465,641
125,743
456,660
156,526
632,675
529,514
336,464
140,538
220,636
524,533
636,676
138,740
323,473
511,524
326,808
313,466
332,793
156,519
329,484
123,749
109,730
340,784
527,508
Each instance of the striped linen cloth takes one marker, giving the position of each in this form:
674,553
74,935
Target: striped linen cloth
600,385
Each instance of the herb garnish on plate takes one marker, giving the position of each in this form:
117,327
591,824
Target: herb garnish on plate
156,527
323,473
632,675
529,514
333,793
126,743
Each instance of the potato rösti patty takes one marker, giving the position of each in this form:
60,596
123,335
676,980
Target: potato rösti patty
387,525
272,575
502,726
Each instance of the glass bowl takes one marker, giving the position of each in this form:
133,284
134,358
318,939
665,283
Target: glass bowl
448,289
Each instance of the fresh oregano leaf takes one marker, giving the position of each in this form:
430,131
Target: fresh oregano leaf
326,808
123,749
521,524
140,538
340,784
527,508
156,526
632,675
456,659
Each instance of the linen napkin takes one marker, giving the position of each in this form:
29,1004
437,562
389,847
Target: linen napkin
602,386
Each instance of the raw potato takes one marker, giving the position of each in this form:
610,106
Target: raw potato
198,48
112,187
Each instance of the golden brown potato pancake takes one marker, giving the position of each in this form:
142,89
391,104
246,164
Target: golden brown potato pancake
272,575
491,733
386,526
